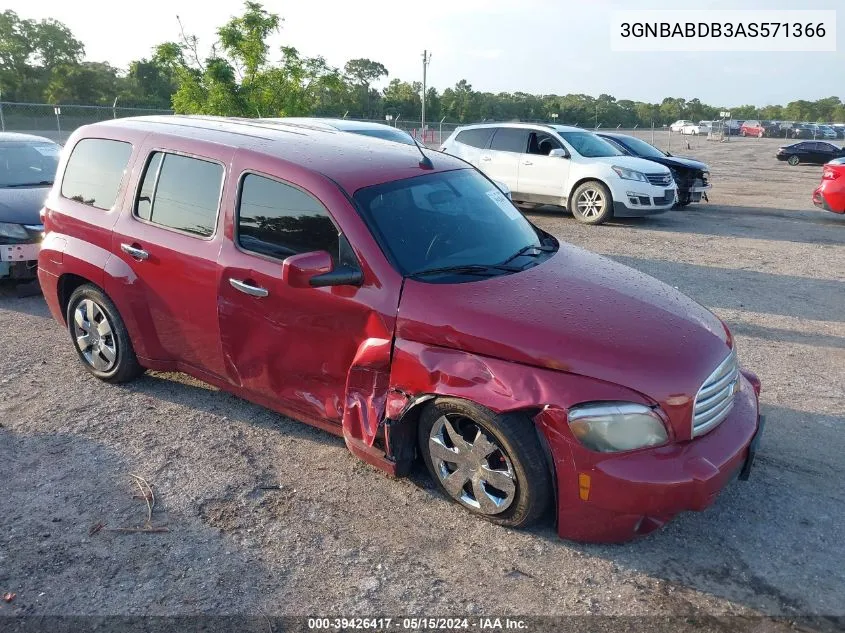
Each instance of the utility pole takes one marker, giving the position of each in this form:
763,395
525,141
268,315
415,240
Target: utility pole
426,57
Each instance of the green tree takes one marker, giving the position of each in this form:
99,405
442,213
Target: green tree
364,72
85,83
30,51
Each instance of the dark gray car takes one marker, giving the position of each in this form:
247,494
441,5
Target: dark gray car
27,170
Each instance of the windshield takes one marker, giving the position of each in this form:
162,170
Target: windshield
447,219
23,163
589,145
388,135
641,148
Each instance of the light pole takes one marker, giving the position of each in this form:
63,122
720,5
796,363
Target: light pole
426,57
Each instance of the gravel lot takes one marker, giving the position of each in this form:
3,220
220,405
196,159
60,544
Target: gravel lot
266,515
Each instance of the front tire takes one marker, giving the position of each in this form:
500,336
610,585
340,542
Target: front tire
793,160
100,336
493,465
591,203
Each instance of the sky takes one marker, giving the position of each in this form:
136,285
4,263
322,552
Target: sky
535,46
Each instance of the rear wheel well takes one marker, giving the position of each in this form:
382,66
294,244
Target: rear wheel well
67,284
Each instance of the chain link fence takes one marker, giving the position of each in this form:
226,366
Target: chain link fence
58,122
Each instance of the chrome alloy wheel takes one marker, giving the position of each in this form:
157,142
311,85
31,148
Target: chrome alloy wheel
590,203
471,465
94,336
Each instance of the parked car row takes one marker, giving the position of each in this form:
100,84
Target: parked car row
759,128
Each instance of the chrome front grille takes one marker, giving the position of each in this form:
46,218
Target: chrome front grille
659,180
715,399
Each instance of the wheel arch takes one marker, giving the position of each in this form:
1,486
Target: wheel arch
67,284
585,179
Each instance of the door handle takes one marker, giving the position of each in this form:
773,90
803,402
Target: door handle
527,162
132,251
253,291
486,159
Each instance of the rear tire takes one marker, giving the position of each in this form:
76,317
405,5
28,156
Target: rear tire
591,203
100,336
493,465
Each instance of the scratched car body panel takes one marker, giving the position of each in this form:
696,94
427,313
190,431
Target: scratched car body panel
397,299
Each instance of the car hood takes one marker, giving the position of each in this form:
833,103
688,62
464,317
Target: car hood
580,313
683,161
22,205
631,162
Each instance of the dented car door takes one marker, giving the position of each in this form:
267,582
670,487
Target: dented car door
319,353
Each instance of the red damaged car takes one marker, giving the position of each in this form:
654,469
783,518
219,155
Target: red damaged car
830,194
402,302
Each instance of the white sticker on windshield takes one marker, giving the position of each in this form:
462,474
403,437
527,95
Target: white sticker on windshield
47,150
504,204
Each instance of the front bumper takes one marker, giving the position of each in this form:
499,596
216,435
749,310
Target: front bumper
607,497
633,200
18,261
19,257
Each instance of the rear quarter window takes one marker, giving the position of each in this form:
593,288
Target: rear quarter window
475,138
510,139
95,170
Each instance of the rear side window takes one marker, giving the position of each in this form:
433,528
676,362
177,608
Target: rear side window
181,192
94,171
510,139
279,220
478,137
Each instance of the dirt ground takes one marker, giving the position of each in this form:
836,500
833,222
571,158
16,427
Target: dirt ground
266,515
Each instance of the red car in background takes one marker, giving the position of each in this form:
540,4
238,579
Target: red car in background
830,194
401,302
752,128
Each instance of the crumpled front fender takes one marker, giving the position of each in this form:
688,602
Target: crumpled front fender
499,385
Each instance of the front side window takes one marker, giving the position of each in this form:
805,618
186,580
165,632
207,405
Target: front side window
542,144
510,139
94,171
446,219
181,193
279,220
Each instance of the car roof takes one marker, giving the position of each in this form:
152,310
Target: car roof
18,137
345,125
351,160
520,124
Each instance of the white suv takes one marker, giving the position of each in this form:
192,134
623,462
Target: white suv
565,166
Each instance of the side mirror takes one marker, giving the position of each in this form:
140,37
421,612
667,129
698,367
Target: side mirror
315,270
559,152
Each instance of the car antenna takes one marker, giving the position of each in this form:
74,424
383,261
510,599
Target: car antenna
425,162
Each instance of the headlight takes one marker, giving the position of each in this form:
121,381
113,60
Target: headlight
629,174
705,175
15,231
608,427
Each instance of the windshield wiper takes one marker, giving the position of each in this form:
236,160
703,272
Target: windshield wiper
467,269
28,184
525,250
